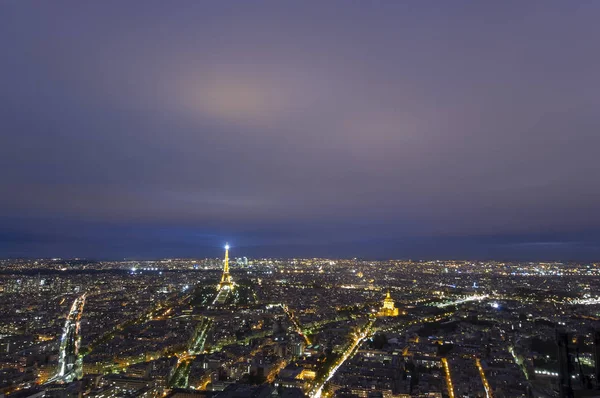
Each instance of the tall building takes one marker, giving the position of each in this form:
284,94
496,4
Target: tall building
226,283
389,307
565,367
597,357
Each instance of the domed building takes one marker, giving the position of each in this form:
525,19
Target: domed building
389,307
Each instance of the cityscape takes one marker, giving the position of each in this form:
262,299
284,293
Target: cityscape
237,327
299,199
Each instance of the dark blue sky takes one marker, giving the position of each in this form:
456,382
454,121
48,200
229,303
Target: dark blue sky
436,129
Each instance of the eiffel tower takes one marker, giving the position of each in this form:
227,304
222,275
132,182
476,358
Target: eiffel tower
226,282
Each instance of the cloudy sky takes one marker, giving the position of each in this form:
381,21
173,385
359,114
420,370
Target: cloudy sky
436,129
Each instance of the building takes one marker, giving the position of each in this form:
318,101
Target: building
565,366
389,307
597,357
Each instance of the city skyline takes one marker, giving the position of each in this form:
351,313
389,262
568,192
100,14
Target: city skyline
311,328
309,199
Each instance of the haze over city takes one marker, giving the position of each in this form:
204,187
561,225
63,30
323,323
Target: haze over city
379,129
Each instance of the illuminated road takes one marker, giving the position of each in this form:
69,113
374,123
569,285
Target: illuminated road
295,322
448,377
474,297
69,363
318,389
196,346
584,301
518,361
402,324
275,371
486,385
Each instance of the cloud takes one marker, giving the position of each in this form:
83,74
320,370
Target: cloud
379,120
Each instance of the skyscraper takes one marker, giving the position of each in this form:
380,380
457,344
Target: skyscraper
565,368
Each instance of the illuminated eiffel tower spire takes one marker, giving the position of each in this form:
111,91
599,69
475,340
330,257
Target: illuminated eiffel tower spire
226,278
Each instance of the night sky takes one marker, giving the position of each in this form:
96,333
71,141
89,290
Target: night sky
405,129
